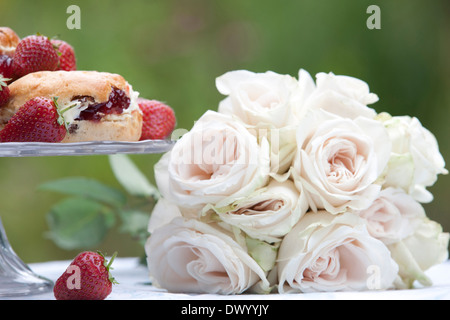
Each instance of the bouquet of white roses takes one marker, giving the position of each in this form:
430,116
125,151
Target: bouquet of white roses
296,185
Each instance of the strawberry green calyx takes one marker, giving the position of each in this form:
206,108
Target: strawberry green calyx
60,113
61,119
108,266
3,82
4,90
56,46
38,34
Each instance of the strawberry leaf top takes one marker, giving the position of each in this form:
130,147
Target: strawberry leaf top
3,82
61,120
108,266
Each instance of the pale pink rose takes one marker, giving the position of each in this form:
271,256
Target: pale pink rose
393,215
269,213
346,86
165,211
344,96
426,247
326,252
415,161
215,162
190,256
339,160
258,98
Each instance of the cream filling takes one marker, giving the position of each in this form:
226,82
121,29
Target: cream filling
75,107
7,50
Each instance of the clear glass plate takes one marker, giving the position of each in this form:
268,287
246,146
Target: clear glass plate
36,149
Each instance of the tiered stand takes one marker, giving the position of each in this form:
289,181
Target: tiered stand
16,278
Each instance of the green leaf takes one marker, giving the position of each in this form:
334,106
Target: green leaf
77,223
130,177
86,188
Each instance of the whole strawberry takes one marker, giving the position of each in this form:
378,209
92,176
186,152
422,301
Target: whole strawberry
34,53
158,119
88,277
4,90
38,120
66,53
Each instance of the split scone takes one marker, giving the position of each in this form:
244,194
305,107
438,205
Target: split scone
97,106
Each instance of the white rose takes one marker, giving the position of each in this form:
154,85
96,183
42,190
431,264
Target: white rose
325,252
257,98
350,87
283,146
393,215
268,214
426,247
164,211
194,257
215,162
345,96
339,160
415,161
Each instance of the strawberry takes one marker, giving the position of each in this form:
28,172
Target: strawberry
66,54
158,119
6,66
34,53
4,90
38,120
88,277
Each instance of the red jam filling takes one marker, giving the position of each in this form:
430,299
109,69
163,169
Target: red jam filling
117,102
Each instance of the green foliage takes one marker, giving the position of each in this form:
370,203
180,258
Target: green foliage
134,182
86,188
91,209
79,223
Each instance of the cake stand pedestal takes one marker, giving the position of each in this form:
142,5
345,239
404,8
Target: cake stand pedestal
16,278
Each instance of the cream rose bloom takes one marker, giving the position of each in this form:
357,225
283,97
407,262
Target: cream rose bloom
345,96
283,147
326,252
393,216
269,213
217,161
426,247
339,160
415,161
190,256
258,98
165,211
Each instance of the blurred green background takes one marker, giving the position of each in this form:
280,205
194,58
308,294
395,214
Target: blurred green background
173,51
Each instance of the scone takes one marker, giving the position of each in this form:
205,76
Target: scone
8,41
99,106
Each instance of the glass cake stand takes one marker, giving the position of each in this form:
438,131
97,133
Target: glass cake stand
16,278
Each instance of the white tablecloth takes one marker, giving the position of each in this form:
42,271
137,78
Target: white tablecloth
134,285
